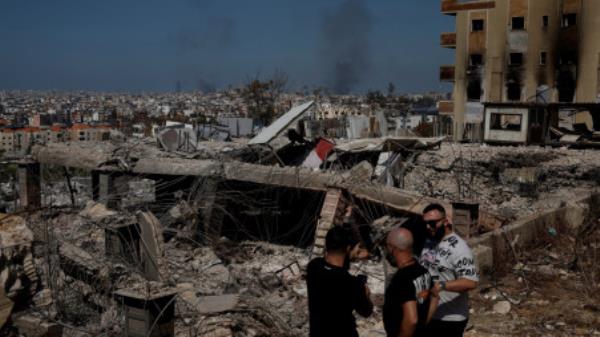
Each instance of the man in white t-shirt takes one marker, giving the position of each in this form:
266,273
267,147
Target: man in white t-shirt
450,262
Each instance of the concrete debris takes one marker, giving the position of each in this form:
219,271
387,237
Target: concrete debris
152,247
96,211
360,173
502,307
210,304
32,326
222,241
18,274
6,306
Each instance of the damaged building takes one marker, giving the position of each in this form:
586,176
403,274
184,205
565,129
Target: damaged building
520,67
214,240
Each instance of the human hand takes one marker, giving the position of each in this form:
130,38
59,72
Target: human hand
436,289
359,253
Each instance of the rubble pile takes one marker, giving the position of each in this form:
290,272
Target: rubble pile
550,291
512,181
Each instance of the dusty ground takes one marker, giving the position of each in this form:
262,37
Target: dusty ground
550,294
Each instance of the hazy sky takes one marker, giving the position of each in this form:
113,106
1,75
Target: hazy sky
150,45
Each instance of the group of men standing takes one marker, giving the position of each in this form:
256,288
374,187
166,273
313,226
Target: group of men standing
427,296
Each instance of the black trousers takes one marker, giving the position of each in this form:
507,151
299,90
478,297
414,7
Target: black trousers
437,328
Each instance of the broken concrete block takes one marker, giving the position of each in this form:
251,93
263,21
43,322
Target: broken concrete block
95,211
18,275
210,304
290,272
360,173
148,314
502,307
152,247
484,257
6,306
31,326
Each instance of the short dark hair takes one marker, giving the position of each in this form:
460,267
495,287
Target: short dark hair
338,239
435,207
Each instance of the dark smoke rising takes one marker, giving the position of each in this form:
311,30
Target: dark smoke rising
216,34
345,49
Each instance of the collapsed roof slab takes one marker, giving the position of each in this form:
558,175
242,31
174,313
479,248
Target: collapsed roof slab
101,159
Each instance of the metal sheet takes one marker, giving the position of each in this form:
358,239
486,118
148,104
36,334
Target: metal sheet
273,130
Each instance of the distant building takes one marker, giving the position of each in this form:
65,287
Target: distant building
18,140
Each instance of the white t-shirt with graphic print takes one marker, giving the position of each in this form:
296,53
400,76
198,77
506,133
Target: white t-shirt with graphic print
451,259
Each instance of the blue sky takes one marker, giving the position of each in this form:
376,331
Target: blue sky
150,45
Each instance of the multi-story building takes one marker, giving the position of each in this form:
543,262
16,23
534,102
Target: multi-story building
515,56
16,141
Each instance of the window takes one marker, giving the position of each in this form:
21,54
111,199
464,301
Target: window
568,57
474,90
545,21
476,60
506,122
516,59
569,20
477,25
543,58
518,23
513,91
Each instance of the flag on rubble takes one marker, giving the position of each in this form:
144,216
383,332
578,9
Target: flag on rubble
318,155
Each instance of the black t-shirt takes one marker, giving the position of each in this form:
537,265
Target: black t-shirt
333,294
408,284
419,231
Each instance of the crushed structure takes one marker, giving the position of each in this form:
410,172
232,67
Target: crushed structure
214,241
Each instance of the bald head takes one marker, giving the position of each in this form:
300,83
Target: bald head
400,238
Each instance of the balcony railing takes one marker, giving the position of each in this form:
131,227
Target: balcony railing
448,40
450,7
447,73
446,107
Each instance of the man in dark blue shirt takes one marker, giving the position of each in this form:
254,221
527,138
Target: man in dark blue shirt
333,293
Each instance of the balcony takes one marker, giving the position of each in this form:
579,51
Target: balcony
451,7
448,40
447,73
446,108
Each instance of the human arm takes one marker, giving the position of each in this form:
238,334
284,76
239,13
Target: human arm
465,272
409,319
458,286
434,301
359,252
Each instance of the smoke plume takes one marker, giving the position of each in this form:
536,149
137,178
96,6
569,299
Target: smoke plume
344,52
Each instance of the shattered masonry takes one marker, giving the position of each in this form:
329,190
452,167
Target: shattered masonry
214,241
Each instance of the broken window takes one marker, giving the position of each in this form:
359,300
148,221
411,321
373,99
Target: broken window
568,57
518,23
477,25
513,91
566,86
516,59
506,122
543,58
545,21
474,91
476,60
569,20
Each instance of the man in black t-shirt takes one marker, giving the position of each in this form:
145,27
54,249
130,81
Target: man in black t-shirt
333,293
409,304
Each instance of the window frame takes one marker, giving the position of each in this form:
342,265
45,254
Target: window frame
510,59
473,25
543,58
512,23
